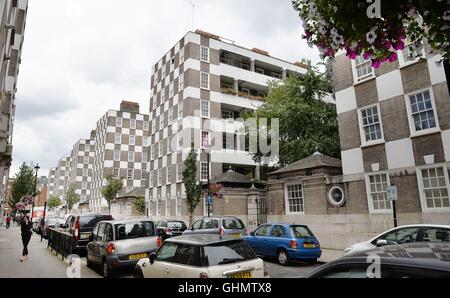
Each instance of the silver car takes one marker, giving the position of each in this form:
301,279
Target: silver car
121,243
228,226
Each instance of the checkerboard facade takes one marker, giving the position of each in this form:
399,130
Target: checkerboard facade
62,176
81,169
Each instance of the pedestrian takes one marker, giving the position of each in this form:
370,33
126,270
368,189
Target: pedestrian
8,221
26,228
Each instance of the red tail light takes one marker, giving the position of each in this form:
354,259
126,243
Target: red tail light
203,275
111,248
294,244
76,231
158,241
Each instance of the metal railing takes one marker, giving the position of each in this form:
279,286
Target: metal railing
60,242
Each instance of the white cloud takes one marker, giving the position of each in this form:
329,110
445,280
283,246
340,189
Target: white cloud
81,58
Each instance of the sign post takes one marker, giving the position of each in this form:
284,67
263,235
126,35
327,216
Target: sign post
209,203
392,196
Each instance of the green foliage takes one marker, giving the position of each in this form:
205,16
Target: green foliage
53,202
112,188
139,204
24,184
192,185
72,197
307,124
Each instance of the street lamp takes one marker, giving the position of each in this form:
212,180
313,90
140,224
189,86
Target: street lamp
35,190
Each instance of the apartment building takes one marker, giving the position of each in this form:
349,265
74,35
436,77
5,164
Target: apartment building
51,190
81,167
395,130
62,176
199,89
121,142
12,26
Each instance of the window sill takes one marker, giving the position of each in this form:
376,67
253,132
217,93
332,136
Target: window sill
425,132
374,143
365,80
295,213
436,210
381,211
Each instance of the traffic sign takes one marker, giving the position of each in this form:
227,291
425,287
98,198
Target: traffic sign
392,193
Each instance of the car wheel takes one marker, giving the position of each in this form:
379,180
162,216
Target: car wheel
89,263
106,270
138,273
283,257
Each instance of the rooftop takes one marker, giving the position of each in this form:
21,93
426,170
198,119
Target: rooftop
314,161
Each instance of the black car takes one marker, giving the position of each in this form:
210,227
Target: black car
412,260
80,227
170,228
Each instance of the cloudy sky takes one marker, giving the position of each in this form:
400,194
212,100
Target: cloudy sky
83,57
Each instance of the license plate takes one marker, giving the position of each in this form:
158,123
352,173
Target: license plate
235,235
137,256
246,274
84,236
309,245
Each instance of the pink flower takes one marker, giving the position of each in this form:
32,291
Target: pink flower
351,54
367,55
387,44
376,63
393,57
399,45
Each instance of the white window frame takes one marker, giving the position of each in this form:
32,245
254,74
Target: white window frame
159,182
245,91
229,113
170,115
171,90
286,198
179,177
369,193
132,143
202,81
128,174
208,133
357,80
150,178
412,126
202,110
132,123
179,205
160,149
179,142
169,145
116,173
86,160
153,126
364,142
259,70
144,156
119,122
181,82
401,56
202,163
169,175
145,141
181,56
422,196
116,138
204,54
85,172
130,154
146,125
116,155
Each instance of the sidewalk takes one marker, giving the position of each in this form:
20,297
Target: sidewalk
41,262
329,255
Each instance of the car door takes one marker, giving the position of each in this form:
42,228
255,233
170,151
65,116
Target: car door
90,247
209,226
98,240
259,239
434,234
276,239
194,228
400,236
164,266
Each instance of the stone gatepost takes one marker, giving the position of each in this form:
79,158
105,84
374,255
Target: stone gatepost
252,208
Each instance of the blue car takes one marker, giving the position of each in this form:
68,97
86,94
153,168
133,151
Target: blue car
285,242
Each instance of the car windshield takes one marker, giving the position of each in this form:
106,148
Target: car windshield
91,221
227,253
176,224
131,230
232,224
301,232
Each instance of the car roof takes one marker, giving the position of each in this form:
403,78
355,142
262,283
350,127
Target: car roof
419,254
201,239
220,217
126,220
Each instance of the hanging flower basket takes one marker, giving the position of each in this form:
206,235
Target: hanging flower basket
20,206
216,190
27,200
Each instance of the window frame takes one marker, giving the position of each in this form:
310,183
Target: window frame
130,153
132,137
208,133
133,126
169,175
412,126
401,58
116,135
202,101
357,80
423,199
202,163
364,142
286,199
369,192
118,156
202,54
179,177
208,81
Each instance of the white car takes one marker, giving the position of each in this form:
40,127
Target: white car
202,256
401,235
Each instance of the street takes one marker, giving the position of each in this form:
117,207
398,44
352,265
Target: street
44,264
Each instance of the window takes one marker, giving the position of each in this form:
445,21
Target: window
294,198
169,175
88,148
119,122
204,139
144,156
179,203
116,173
84,185
170,112
154,151
145,141
130,174
155,103
153,126
86,160
146,125
204,80
179,172
132,140
131,156
263,231
245,91
205,108
407,56
370,124
376,187
400,236
180,142
85,172
150,178
434,187
159,177
421,110
181,82
161,122
362,69
163,72
259,70
435,235
204,171
229,141
116,155
118,138
180,111
161,149
227,114
133,123
182,56
278,231
204,55
276,75
171,90
169,145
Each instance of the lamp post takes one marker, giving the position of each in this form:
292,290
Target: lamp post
35,190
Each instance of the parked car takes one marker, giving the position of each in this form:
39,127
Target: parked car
227,226
121,243
411,260
401,235
80,228
202,256
170,228
285,242
48,223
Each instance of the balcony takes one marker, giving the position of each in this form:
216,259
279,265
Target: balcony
242,89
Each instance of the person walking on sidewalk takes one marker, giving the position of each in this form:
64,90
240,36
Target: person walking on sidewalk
8,221
26,228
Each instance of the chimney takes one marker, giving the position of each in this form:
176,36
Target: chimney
93,134
129,106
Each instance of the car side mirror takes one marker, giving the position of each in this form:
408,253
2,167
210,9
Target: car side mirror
252,234
152,258
381,243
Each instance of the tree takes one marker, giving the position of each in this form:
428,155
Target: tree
112,188
306,123
376,31
191,184
139,204
72,197
24,184
53,202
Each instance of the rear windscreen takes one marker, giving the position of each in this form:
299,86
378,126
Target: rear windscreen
228,253
301,232
91,221
233,224
176,224
133,230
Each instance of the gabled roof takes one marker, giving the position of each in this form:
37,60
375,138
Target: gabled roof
232,177
137,192
316,160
